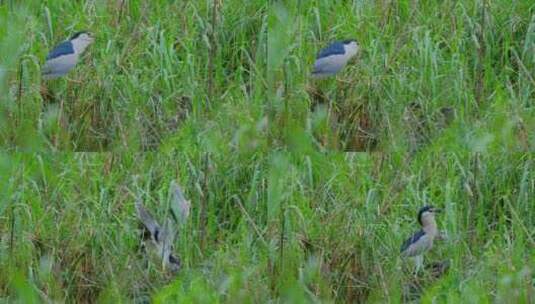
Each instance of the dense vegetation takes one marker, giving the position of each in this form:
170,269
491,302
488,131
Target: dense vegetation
301,190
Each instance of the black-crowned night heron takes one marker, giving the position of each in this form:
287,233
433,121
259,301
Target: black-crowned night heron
422,241
66,55
334,57
158,241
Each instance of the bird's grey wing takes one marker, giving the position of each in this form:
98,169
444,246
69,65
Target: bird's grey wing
165,244
59,66
64,48
335,48
166,234
180,207
414,245
148,220
329,65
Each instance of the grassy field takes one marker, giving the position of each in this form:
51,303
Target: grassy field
301,191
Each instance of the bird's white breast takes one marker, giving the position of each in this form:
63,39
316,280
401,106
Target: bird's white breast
331,64
59,66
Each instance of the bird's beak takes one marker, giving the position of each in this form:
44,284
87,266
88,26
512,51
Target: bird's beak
437,210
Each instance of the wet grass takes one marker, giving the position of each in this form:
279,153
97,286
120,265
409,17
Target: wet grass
440,98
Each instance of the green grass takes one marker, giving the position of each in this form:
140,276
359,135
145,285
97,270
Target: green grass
280,213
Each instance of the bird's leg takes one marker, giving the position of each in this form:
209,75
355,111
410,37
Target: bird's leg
419,261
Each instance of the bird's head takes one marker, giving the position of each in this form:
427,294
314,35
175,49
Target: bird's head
427,214
351,46
83,36
81,40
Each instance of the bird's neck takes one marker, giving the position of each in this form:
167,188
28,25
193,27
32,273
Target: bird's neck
430,228
351,50
80,46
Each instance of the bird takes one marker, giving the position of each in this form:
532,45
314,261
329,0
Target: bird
65,55
157,240
334,57
159,243
422,240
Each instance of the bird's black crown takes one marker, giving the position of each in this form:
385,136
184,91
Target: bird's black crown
76,35
421,212
348,41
